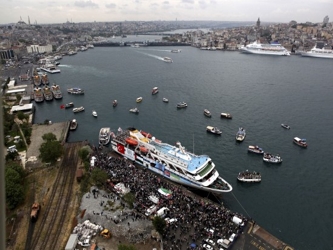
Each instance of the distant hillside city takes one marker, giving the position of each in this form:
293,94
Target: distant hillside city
25,41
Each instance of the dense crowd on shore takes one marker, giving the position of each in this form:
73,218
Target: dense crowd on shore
197,218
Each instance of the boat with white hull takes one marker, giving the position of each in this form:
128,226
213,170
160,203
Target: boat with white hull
319,51
104,136
247,176
273,49
171,162
50,68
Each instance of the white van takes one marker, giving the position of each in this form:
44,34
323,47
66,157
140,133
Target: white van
151,210
162,212
12,149
237,221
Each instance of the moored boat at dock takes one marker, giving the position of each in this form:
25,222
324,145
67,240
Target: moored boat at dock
104,136
38,95
319,51
45,79
272,158
73,124
172,162
57,94
47,94
50,68
247,176
273,49
300,142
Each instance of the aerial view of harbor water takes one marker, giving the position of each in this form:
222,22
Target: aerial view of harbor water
203,100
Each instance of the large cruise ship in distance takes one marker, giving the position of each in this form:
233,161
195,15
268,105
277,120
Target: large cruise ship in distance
274,49
171,162
319,51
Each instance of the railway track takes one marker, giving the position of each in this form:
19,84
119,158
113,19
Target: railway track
47,231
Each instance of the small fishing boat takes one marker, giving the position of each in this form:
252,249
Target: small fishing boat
285,126
176,51
78,109
181,105
226,115
300,142
134,110
75,91
165,100
69,105
255,149
240,135
73,125
154,91
272,158
247,176
139,99
207,113
114,103
94,113
104,136
214,130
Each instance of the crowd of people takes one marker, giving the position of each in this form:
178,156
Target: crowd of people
197,218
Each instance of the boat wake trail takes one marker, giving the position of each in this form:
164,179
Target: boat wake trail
64,66
151,55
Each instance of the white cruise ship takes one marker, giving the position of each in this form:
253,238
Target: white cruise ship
171,162
319,51
274,49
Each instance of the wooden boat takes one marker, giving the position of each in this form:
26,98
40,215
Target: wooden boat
272,158
131,141
255,149
300,142
285,126
226,115
247,176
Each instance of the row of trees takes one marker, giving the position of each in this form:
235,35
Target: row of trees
15,184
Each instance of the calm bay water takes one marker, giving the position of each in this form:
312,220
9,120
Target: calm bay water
294,200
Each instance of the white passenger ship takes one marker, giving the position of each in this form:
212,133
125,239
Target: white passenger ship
171,162
319,51
274,49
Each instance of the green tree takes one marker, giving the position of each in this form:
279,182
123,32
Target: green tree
126,247
99,176
14,188
51,149
11,156
17,167
83,154
159,224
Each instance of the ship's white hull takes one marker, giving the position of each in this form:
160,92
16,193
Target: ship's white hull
262,52
317,55
166,172
51,71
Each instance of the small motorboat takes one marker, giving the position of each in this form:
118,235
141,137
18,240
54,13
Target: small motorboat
272,158
176,51
134,110
285,126
214,130
167,59
166,100
300,142
181,105
247,176
78,109
75,91
207,113
69,105
226,115
240,135
73,124
139,99
114,103
94,113
154,91
255,149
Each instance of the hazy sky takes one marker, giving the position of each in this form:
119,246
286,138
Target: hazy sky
60,11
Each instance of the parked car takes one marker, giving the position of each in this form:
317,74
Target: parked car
207,247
